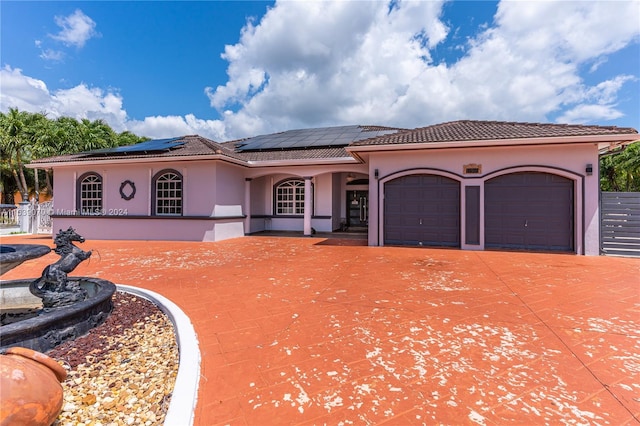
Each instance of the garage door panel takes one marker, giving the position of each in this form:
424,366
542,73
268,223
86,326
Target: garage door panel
437,238
510,210
529,211
449,222
444,221
409,209
406,221
508,223
395,222
402,236
422,210
536,194
546,242
509,239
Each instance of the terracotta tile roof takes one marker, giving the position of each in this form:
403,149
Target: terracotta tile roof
193,145
467,130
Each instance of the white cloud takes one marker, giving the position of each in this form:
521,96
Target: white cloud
359,62
589,112
22,92
77,29
607,91
29,94
52,55
326,63
595,103
574,31
329,63
169,126
92,103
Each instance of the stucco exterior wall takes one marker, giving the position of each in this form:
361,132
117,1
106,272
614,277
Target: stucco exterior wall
322,195
229,191
569,161
209,190
259,195
121,228
63,191
112,179
199,188
216,194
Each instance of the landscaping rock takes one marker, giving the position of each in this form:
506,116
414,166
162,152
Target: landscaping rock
123,371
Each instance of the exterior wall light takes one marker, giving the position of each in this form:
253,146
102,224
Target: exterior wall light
376,174
589,169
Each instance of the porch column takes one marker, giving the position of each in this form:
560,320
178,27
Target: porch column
247,206
308,208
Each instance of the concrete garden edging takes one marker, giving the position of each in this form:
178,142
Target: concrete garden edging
185,391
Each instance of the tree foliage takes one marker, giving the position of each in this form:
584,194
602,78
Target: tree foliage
26,136
620,171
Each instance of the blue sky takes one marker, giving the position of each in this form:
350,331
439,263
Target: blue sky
226,69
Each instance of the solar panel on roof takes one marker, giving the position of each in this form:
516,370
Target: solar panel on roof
289,143
306,138
154,145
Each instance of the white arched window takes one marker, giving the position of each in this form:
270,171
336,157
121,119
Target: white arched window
167,193
289,197
90,194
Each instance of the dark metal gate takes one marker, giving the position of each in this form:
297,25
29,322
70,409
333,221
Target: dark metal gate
620,223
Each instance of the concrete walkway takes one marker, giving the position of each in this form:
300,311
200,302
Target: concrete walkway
324,331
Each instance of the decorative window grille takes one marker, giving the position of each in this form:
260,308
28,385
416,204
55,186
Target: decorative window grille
289,197
168,194
90,200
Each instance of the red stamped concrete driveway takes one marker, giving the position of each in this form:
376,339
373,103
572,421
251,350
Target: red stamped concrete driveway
316,331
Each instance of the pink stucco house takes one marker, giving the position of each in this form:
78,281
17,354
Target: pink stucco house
473,185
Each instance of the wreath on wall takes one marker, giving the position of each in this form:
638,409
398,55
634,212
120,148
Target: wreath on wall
127,190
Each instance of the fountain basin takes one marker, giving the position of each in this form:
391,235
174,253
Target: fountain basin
54,326
12,255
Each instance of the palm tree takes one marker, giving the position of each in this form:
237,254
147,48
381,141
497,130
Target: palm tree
25,136
13,140
43,144
95,135
128,138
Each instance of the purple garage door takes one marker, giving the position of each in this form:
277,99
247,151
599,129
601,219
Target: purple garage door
529,211
422,210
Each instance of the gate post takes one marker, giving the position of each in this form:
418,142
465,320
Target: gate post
23,216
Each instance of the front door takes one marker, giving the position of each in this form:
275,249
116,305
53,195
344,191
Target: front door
357,209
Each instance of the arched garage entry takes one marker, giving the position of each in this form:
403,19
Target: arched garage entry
529,211
422,210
